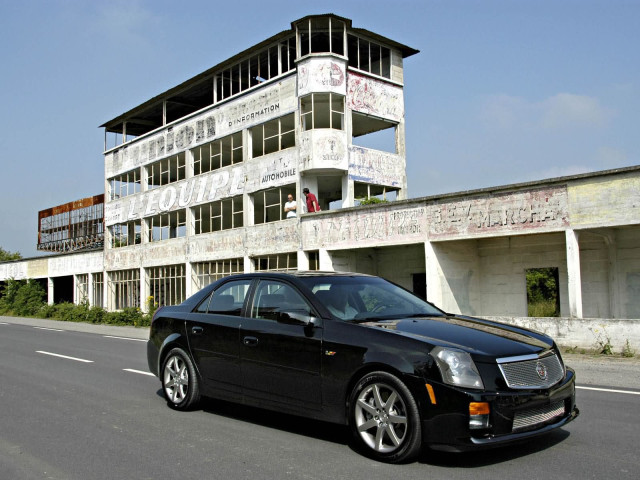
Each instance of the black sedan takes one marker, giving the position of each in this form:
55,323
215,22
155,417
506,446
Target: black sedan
358,350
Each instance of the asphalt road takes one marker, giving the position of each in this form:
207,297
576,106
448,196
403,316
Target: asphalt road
77,402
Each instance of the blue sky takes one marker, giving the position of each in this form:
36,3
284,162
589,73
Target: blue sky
501,91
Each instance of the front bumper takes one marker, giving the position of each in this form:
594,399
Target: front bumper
446,424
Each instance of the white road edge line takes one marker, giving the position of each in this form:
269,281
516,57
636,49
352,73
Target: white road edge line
50,329
64,356
125,338
628,392
138,371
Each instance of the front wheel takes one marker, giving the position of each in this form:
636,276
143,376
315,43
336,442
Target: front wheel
179,381
384,418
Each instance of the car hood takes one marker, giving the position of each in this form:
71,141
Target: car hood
484,339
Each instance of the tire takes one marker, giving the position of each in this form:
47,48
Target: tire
384,418
179,381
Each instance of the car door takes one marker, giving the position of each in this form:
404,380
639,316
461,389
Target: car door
214,337
280,358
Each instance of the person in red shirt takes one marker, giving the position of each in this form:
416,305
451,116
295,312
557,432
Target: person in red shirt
312,201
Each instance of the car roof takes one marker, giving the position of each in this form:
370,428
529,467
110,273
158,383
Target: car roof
302,273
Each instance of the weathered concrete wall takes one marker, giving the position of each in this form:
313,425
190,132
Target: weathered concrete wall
606,201
254,108
503,263
586,333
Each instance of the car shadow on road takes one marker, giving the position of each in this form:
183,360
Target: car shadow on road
340,434
482,458
290,423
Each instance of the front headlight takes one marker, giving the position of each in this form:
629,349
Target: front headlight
457,368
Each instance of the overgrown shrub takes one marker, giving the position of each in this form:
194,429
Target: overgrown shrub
27,299
22,297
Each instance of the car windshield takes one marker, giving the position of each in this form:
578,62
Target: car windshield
367,298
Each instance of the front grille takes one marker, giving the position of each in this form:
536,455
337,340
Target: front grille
535,416
531,371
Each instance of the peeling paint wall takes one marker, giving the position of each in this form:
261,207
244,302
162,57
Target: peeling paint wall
252,109
607,201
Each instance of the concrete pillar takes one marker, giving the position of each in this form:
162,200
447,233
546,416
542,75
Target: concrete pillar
248,264
144,289
50,291
303,260
348,192
90,289
324,257
188,277
573,272
614,288
432,271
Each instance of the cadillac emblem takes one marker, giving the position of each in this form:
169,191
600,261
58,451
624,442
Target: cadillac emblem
541,370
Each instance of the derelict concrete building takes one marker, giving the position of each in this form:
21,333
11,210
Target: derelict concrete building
196,179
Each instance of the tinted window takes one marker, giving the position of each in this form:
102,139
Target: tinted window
357,298
272,298
227,299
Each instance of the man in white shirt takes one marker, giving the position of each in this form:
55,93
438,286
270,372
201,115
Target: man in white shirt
290,207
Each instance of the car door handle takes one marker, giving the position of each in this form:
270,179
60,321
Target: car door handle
197,330
250,341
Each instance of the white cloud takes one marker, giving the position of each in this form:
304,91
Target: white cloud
566,110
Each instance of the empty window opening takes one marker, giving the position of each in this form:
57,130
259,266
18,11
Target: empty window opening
322,110
168,170
374,133
217,154
273,136
281,262
220,215
82,288
321,35
167,284
125,184
367,193
205,273
369,56
98,289
125,289
126,234
543,292
168,225
268,205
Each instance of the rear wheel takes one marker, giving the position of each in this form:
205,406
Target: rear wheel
179,381
384,418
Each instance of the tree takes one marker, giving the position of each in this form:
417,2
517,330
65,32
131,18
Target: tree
5,256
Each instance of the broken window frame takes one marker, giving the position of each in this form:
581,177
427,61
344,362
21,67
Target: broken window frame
368,56
273,136
167,284
124,286
322,110
125,184
220,215
273,200
205,273
220,153
271,62
126,234
167,226
97,287
321,35
278,262
168,170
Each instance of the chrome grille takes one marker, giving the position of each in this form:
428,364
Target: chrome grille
531,371
534,416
